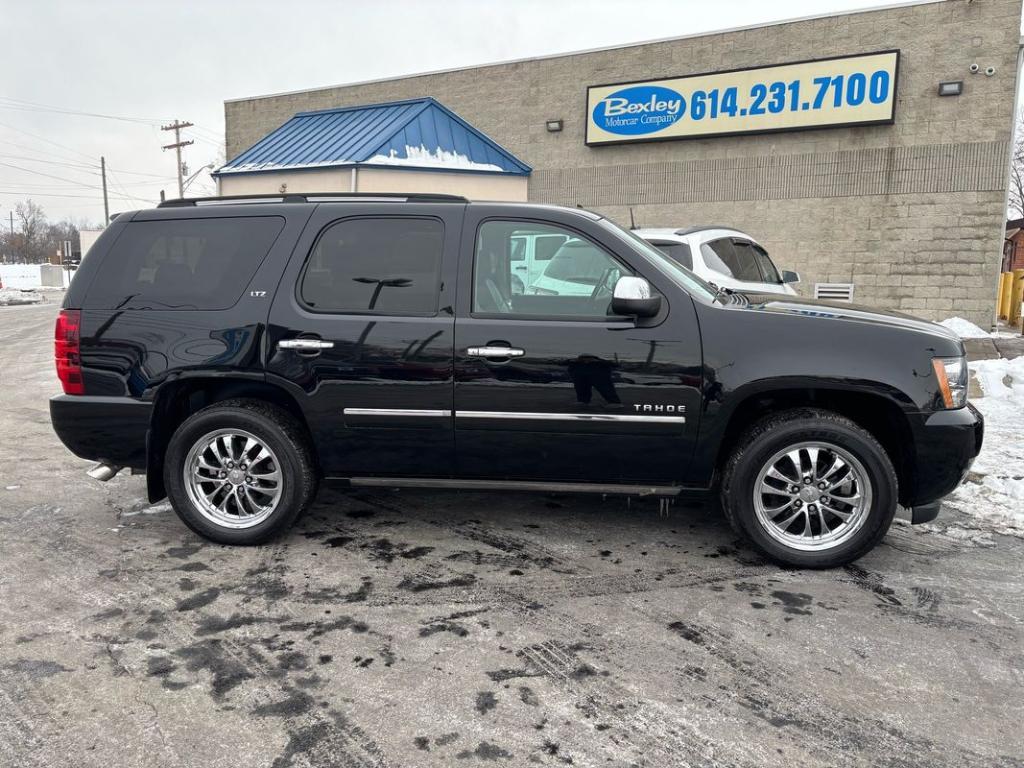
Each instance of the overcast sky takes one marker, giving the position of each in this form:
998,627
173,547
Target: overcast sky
152,61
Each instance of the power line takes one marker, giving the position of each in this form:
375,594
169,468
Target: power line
47,175
124,192
48,141
48,162
45,186
33,107
50,152
62,178
22,193
159,176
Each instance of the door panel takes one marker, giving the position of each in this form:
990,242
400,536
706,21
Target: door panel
591,398
378,393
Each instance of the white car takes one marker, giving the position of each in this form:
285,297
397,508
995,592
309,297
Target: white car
575,269
531,253
726,258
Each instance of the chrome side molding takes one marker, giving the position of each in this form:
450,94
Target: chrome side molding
582,417
397,412
611,418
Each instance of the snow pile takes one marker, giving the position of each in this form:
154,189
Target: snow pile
994,490
421,157
10,297
965,329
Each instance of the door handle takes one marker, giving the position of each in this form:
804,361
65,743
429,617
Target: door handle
305,345
495,352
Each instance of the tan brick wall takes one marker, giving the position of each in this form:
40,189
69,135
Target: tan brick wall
912,213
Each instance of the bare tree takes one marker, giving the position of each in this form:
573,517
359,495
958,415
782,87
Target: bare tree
28,244
1016,201
34,239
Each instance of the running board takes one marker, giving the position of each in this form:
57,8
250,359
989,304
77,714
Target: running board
516,485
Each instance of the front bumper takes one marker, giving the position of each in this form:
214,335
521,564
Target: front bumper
106,429
945,445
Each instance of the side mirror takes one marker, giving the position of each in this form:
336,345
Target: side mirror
633,297
789,276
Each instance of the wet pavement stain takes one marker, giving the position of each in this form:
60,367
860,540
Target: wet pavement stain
687,632
487,751
485,702
199,600
793,602
298,703
415,585
36,668
184,552
209,656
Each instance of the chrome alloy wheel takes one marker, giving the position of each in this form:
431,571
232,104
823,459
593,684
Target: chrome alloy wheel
812,496
233,478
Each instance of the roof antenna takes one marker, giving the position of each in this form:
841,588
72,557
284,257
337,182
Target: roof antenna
632,223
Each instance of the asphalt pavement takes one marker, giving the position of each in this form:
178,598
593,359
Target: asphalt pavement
399,628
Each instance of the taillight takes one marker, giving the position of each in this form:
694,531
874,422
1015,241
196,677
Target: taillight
66,350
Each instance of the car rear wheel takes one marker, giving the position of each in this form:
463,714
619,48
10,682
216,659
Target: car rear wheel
810,488
239,472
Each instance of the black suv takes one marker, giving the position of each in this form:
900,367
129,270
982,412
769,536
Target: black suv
238,351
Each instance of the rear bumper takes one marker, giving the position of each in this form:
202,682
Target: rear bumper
945,445
107,429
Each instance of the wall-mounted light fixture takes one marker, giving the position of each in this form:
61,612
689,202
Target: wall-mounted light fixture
553,126
951,88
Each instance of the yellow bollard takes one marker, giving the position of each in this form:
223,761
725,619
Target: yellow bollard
1003,296
1016,297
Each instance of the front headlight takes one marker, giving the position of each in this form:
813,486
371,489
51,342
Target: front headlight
951,373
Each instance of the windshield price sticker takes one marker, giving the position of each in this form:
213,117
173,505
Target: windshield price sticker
853,90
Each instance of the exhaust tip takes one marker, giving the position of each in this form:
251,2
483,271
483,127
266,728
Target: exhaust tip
103,472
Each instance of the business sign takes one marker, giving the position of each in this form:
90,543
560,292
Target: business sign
843,91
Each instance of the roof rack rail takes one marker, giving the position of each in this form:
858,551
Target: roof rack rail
702,228
315,197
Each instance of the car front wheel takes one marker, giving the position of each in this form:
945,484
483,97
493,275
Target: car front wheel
810,488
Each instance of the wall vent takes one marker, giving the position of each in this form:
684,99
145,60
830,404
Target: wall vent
834,291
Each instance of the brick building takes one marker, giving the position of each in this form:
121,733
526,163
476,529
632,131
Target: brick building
1013,246
911,212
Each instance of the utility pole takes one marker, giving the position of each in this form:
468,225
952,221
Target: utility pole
106,205
176,126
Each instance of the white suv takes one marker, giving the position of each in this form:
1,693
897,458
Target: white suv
725,257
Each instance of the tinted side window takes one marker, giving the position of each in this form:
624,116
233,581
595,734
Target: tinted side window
577,280
182,263
768,271
388,265
678,252
724,257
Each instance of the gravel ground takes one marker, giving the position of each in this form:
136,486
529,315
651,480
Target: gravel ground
434,629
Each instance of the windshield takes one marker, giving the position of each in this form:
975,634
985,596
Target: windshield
678,252
577,262
679,274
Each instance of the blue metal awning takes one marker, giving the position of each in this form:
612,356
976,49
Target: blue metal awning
415,134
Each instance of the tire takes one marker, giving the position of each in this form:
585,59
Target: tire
262,507
772,443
